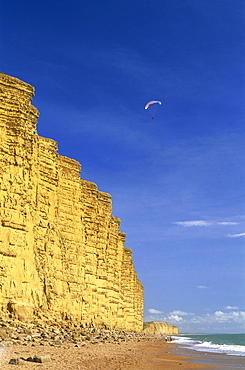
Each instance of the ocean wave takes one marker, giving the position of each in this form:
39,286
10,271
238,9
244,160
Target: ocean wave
205,346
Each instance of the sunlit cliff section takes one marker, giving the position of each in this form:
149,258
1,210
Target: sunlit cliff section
160,328
62,255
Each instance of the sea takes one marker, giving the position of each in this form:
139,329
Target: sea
228,344
224,350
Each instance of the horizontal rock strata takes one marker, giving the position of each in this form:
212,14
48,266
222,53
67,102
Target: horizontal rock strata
62,255
160,328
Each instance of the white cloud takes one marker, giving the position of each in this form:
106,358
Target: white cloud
236,235
205,223
235,316
175,318
182,313
192,223
202,287
231,308
221,317
196,320
153,311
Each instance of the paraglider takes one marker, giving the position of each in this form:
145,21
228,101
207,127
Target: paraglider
152,102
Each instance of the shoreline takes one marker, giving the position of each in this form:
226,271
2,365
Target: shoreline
221,361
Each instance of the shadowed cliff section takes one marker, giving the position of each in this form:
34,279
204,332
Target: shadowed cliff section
62,255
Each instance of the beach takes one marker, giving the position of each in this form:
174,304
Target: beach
68,346
150,354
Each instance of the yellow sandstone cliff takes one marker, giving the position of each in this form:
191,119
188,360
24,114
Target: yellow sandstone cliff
62,255
160,328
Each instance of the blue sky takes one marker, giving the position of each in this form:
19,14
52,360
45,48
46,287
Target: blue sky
177,181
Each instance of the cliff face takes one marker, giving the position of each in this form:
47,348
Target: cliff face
160,327
62,254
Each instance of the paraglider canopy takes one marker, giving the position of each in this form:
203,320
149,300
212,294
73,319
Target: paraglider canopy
152,102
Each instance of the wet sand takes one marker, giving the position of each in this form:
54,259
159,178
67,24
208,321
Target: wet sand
134,355
222,361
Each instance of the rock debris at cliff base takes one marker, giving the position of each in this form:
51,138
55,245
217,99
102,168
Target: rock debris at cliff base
132,352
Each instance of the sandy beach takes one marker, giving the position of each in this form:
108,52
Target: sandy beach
140,355
67,346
